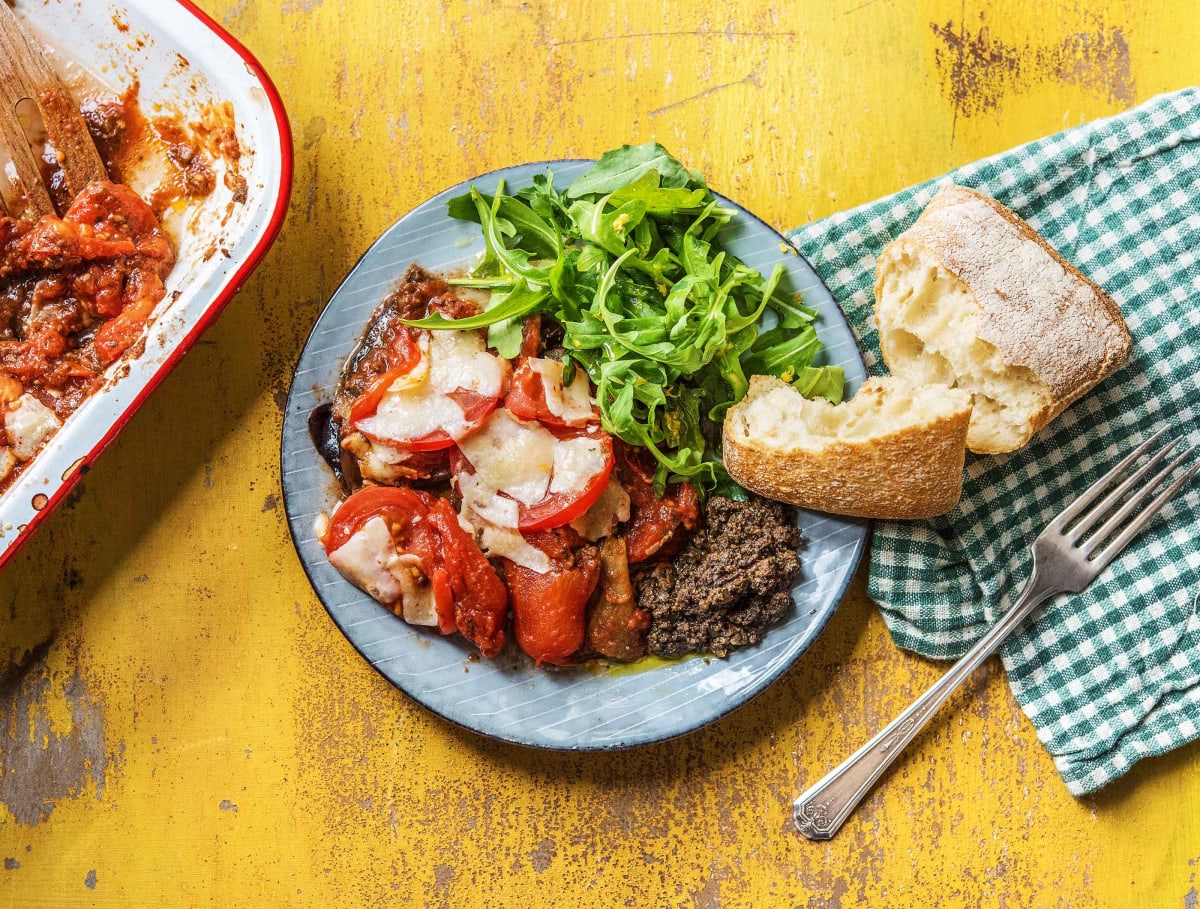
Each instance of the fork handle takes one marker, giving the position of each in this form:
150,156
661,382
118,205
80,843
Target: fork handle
822,810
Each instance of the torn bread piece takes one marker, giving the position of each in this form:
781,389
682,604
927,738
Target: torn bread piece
892,451
970,296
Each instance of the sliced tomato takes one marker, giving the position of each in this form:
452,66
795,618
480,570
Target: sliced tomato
368,402
563,508
402,355
526,397
468,594
476,408
403,509
560,508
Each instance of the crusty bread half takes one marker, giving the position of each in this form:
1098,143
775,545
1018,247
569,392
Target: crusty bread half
894,450
971,296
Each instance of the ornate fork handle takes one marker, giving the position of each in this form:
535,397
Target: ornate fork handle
823,809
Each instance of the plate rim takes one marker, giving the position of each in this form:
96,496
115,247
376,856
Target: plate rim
808,637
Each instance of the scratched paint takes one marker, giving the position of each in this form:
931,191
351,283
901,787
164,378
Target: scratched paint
266,764
980,70
49,752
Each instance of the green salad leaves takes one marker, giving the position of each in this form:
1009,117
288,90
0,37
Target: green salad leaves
666,322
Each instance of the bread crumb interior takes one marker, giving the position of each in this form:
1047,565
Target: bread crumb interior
782,418
928,324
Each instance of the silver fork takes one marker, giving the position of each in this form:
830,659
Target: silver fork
1067,556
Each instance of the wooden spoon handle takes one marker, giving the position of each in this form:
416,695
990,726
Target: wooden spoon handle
25,73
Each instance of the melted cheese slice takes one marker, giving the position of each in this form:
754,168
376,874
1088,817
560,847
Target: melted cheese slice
519,463
417,404
366,561
492,520
527,463
576,463
512,457
29,423
602,518
509,544
484,503
570,403
370,562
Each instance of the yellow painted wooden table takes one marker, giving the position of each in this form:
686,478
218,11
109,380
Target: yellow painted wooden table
185,727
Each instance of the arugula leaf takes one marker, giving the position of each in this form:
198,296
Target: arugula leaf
543,198
517,220
661,200
729,367
792,313
515,260
780,349
821,382
608,229
622,166
520,301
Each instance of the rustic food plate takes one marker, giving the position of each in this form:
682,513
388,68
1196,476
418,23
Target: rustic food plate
584,708
185,65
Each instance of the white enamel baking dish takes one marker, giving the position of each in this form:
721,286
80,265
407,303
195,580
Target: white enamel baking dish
183,61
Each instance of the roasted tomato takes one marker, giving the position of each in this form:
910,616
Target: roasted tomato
572,467
439,386
549,609
656,525
466,592
537,393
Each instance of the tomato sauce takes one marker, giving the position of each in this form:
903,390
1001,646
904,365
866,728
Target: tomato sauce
77,289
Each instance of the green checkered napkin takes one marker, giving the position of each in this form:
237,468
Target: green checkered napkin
1112,675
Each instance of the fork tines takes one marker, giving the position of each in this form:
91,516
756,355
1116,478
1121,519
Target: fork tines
1132,498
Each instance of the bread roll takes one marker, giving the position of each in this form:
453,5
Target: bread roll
971,296
894,450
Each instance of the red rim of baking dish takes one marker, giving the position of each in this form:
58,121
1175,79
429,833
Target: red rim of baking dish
227,292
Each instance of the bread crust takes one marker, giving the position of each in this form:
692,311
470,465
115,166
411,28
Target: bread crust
906,474
1037,309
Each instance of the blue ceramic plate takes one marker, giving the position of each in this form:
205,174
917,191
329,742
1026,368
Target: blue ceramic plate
508,697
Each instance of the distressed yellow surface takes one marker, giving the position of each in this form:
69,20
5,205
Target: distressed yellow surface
196,732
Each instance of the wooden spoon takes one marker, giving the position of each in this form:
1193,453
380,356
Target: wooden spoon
25,74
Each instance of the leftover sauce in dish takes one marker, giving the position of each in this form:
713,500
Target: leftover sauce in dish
75,293
181,155
78,289
480,487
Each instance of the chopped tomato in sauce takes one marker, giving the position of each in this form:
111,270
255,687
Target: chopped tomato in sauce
77,291
656,525
549,608
469,596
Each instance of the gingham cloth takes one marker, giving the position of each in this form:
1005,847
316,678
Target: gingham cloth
1112,675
